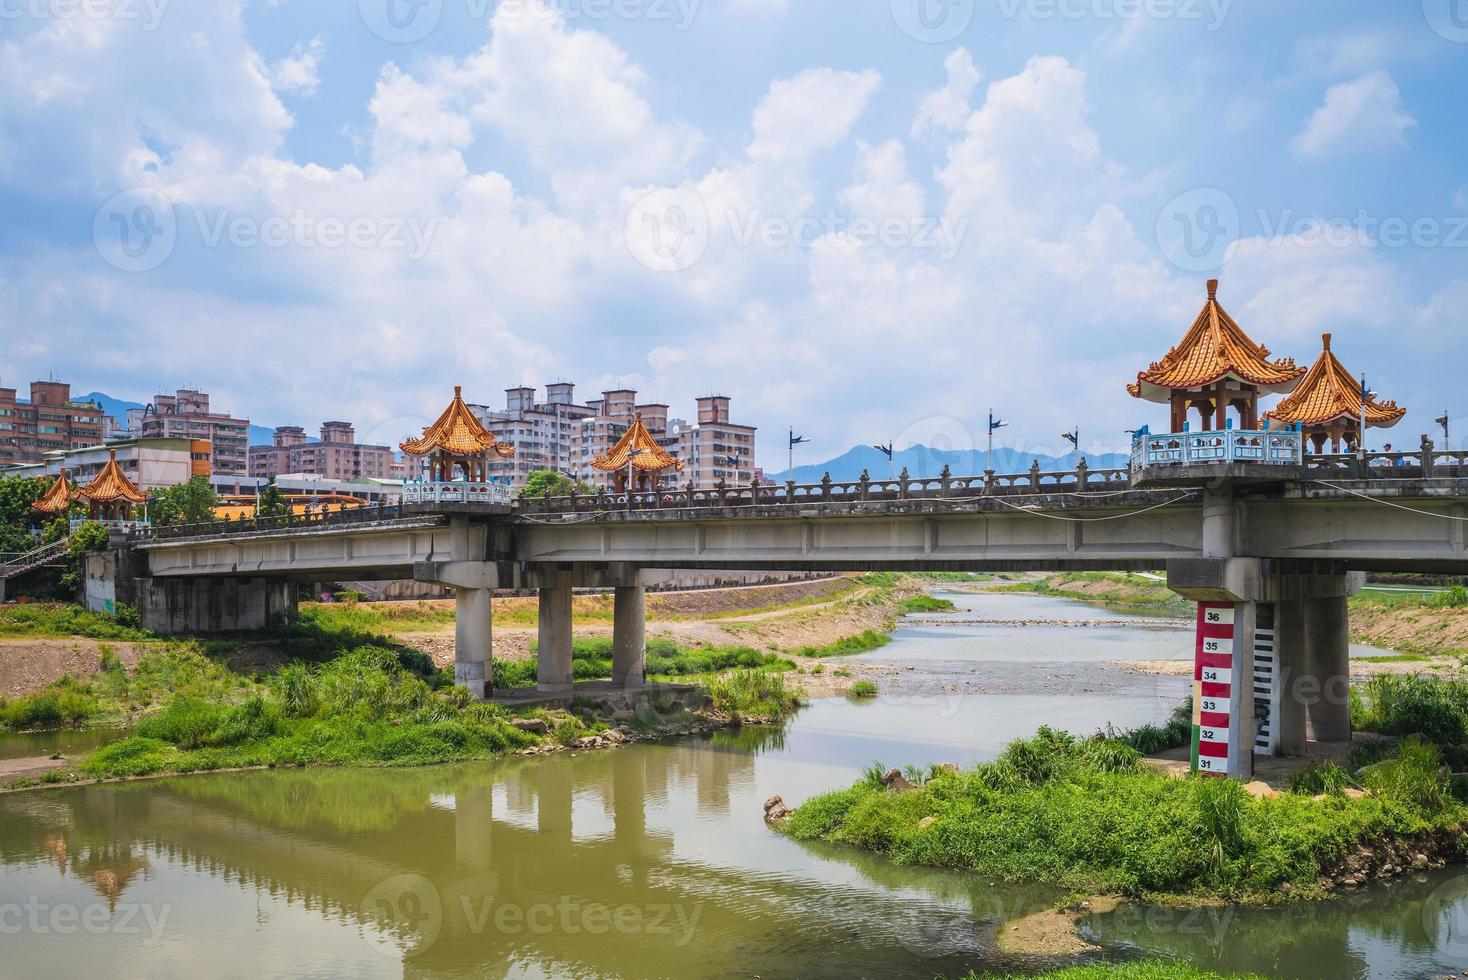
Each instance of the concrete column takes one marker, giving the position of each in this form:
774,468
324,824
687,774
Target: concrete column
1289,638
553,659
473,628
1218,525
629,636
1328,663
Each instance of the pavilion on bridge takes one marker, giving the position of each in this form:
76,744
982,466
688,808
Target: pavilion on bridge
111,496
1214,368
58,498
637,452
460,441
1327,405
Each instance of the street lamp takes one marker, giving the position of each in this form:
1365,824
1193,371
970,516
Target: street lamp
1366,394
1442,420
1074,438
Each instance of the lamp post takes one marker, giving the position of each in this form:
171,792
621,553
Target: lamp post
994,426
1442,420
1074,438
1366,393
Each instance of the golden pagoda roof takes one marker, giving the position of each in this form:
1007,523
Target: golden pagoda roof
59,497
651,458
112,484
457,433
1215,348
1329,392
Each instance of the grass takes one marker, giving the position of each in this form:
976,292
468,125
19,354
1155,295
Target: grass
1407,705
1138,970
591,659
1109,587
862,689
863,642
925,604
59,620
752,696
1087,815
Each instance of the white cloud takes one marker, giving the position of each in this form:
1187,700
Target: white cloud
1359,116
945,109
808,113
298,72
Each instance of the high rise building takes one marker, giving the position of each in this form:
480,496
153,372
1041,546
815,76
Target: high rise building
336,456
50,421
561,435
186,415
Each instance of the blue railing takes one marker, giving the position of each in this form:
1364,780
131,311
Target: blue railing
1284,447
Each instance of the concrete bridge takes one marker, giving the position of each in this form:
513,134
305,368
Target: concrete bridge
1281,545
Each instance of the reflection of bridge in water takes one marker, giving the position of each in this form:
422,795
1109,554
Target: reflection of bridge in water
423,860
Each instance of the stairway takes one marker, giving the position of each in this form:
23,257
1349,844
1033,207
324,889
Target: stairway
52,554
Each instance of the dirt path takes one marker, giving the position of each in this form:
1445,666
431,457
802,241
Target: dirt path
28,664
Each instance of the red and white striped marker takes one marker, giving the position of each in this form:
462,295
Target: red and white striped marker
1213,664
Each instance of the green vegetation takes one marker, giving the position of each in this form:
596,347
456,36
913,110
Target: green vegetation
591,659
752,696
924,604
1139,970
550,483
862,689
1152,739
1407,705
16,496
847,646
272,501
1087,814
56,620
1113,588
187,503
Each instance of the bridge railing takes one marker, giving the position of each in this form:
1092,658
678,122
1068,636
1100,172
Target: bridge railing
1281,448
432,492
293,522
1427,463
866,490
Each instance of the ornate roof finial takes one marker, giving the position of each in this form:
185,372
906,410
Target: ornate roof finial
1213,289
1326,338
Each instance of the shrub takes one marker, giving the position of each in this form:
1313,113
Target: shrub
184,721
862,689
1408,705
750,694
1415,776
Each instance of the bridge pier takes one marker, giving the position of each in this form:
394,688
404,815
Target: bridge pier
1288,649
629,635
553,669
473,641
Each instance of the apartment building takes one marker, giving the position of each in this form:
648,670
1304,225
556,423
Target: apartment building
151,464
186,415
336,456
544,433
716,448
49,422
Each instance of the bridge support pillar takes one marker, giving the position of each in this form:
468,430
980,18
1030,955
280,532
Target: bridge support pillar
1327,665
473,641
629,636
553,658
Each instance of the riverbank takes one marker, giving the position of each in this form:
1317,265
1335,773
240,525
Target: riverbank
1088,815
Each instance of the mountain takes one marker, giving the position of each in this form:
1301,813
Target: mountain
260,435
924,462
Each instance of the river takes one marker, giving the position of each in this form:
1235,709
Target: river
651,860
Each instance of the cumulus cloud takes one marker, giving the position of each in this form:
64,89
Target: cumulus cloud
298,72
1359,116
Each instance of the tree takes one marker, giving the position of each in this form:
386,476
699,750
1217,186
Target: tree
272,501
17,493
187,503
542,481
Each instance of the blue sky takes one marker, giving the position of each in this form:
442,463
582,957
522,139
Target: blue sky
869,219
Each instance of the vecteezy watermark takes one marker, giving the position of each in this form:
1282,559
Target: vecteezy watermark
135,230
147,13
406,21
1449,18
669,230
1196,229
1445,919
411,915
303,230
38,918
1210,13
933,21
1385,231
